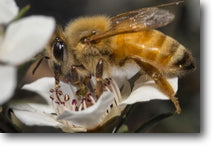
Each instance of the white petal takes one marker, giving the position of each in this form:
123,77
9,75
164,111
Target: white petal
8,11
120,75
42,87
8,82
89,118
33,114
145,91
25,38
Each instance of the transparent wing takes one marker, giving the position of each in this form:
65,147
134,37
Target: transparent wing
142,18
137,20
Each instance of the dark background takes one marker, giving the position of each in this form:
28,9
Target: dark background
185,29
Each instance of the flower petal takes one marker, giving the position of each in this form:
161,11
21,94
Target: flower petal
120,75
8,82
8,11
90,117
35,114
42,87
145,91
25,38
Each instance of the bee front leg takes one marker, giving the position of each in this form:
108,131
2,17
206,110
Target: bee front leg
75,79
160,81
99,73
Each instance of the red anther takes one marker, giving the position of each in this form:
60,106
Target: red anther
88,100
74,102
83,99
88,95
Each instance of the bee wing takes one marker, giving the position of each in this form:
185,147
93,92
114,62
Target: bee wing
136,20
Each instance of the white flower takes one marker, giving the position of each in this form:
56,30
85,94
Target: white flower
20,41
64,110
8,11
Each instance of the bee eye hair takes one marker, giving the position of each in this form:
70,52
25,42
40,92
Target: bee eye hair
59,49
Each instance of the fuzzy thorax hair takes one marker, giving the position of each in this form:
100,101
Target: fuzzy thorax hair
85,26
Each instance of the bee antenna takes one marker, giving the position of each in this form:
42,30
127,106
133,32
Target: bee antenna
170,4
38,64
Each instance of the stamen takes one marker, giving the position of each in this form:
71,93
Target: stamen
116,97
74,103
57,95
80,107
116,90
107,88
92,99
84,103
57,102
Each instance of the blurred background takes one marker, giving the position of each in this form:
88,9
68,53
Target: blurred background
185,29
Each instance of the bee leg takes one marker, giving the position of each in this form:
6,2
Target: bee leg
160,81
57,74
57,80
99,73
82,88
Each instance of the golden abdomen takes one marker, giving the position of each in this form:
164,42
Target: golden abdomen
153,47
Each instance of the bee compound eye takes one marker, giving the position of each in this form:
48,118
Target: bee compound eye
58,49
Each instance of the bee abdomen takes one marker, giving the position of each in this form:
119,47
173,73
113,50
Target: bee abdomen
183,61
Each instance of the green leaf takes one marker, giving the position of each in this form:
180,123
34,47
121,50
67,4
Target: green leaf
149,124
123,129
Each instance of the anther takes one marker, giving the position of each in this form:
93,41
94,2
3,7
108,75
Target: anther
51,97
74,102
66,97
59,92
51,90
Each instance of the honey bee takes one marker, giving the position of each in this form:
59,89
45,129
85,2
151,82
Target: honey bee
91,46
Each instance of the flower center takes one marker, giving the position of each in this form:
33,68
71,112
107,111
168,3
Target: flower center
63,98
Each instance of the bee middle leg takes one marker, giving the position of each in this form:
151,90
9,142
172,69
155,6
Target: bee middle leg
99,73
160,81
